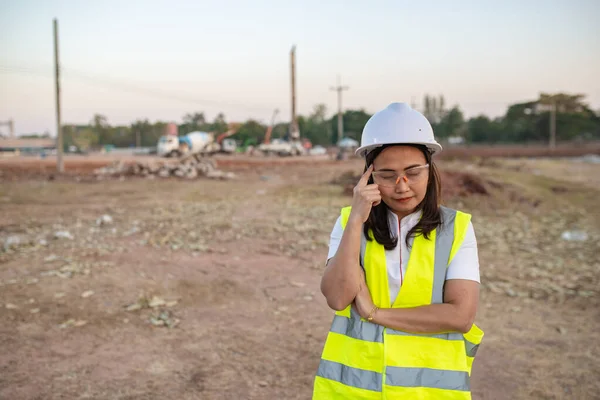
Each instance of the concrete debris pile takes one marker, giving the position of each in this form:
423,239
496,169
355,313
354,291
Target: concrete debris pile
189,168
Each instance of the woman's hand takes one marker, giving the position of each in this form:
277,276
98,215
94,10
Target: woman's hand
363,303
365,197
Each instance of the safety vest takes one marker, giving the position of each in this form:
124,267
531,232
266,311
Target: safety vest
362,360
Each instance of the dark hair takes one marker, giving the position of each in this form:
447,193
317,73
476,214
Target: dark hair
378,218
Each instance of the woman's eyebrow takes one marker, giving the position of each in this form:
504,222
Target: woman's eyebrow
413,166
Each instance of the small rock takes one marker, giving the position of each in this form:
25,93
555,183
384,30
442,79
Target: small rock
156,322
50,258
562,330
134,307
132,231
263,384
298,284
156,302
12,242
34,310
63,235
574,236
67,324
87,293
170,303
308,298
11,306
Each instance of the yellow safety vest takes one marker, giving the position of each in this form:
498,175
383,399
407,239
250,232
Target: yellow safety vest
362,360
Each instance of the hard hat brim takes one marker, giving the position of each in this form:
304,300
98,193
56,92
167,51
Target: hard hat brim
364,150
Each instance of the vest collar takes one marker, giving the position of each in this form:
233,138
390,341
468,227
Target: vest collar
409,221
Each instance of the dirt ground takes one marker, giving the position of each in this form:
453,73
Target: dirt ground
209,289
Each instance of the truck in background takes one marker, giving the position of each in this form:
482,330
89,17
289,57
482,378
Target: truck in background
197,142
281,147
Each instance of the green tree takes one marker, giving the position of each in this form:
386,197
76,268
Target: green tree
354,122
251,132
85,139
219,124
316,128
101,128
451,124
193,122
482,129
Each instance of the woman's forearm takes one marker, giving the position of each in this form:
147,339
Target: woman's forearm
433,318
341,280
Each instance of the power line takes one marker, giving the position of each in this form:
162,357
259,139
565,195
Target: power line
123,85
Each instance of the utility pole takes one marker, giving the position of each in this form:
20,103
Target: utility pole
59,137
294,130
553,126
339,89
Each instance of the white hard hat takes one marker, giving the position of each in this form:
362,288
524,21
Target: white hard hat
398,123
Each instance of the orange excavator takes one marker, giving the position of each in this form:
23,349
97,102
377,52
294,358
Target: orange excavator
267,138
224,145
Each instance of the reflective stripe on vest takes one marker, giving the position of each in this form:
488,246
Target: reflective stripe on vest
367,361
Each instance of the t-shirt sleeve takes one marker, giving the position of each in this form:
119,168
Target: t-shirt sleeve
465,264
335,238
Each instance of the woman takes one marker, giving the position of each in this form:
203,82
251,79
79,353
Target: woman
402,274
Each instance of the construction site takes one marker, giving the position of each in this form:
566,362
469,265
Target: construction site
124,284
189,266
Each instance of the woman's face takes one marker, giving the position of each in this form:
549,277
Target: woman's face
402,186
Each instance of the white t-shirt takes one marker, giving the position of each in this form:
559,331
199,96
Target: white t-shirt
464,265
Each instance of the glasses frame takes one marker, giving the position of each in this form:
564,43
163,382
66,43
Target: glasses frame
398,176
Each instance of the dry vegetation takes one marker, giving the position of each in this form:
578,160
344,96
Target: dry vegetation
167,288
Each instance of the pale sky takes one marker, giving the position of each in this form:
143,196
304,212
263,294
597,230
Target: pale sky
182,56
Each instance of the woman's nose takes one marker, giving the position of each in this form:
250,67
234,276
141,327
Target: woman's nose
402,184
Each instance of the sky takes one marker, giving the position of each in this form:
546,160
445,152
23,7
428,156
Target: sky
137,59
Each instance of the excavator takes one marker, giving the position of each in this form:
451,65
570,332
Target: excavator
267,138
278,146
228,145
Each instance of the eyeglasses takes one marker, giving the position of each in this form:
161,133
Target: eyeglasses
391,178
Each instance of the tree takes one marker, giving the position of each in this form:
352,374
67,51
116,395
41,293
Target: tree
315,127
354,122
251,132
85,139
434,109
196,119
145,130
193,122
452,124
100,126
481,129
219,124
